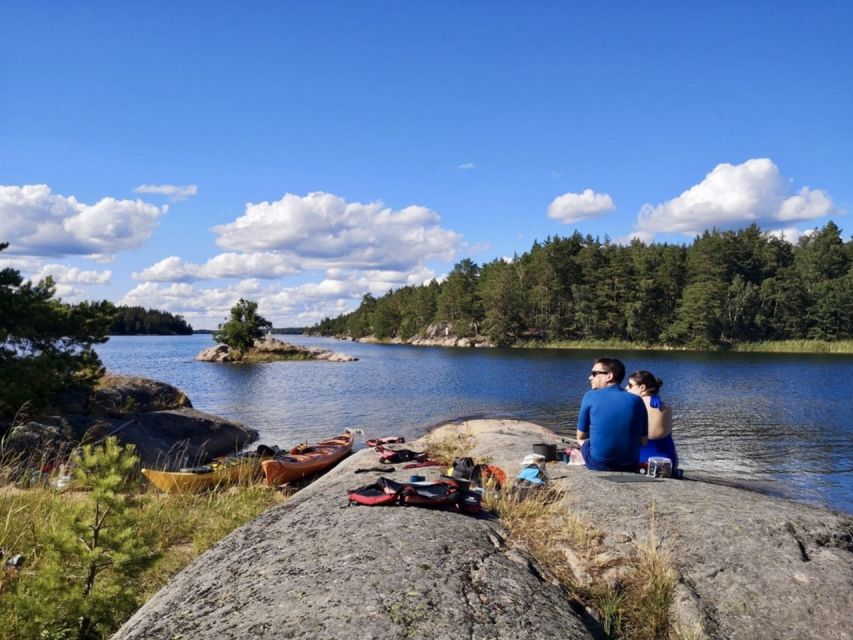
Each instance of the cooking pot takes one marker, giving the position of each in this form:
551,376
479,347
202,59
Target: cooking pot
547,450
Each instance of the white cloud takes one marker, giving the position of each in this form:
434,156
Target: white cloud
37,222
732,196
224,265
173,191
791,235
304,304
71,282
574,207
466,166
67,275
324,230
359,247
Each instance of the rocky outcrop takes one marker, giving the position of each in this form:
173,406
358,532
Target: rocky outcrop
749,566
437,335
316,568
154,416
270,349
117,394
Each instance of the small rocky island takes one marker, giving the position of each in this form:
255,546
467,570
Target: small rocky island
269,349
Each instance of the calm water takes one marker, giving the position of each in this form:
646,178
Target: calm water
782,421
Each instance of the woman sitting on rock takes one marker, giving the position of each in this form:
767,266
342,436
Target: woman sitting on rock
644,384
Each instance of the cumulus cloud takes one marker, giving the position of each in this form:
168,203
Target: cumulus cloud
731,196
65,274
337,291
303,304
173,191
325,230
466,166
574,207
349,248
37,222
224,265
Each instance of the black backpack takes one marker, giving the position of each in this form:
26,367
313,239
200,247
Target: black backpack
466,469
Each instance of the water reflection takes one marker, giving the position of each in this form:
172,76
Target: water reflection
778,418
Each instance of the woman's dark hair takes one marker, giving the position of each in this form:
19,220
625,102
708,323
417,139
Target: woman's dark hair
646,378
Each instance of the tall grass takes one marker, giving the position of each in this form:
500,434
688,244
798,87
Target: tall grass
797,346
175,527
768,346
612,344
631,595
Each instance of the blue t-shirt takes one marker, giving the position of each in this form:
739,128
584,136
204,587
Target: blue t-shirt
616,421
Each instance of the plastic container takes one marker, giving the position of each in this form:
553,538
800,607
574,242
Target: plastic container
660,467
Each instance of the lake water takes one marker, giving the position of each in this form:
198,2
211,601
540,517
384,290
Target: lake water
782,422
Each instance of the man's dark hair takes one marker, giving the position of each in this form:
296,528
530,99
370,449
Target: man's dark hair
614,366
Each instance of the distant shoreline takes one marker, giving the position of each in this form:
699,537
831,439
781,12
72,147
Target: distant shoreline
819,347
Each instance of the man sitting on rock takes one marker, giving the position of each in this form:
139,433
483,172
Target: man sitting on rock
612,423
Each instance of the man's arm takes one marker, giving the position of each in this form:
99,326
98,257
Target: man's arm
584,419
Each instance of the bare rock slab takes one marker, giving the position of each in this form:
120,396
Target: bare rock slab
317,568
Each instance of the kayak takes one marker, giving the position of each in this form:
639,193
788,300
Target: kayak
306,460
225,471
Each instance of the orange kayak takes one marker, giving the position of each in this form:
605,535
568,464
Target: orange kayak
307,460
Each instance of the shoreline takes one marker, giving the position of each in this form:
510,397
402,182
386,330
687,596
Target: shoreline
805,347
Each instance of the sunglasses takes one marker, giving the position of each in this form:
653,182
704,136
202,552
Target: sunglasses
594,373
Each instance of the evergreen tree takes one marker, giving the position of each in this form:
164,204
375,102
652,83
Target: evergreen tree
500,291
45,344
85,586
243,327
457,303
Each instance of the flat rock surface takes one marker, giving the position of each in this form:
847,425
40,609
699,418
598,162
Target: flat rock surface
317,568
749,566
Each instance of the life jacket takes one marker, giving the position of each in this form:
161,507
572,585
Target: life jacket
442,494
393,456
386,440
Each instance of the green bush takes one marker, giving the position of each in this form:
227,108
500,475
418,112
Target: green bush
244,326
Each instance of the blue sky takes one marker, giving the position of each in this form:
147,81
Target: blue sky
182,155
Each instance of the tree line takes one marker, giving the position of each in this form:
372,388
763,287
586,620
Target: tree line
140,321
724,288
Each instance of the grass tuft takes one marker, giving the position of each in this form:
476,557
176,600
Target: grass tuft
632,595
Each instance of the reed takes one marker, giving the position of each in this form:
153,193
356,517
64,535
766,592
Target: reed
589,344
797,346
632,596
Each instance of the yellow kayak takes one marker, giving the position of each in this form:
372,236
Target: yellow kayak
231,470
